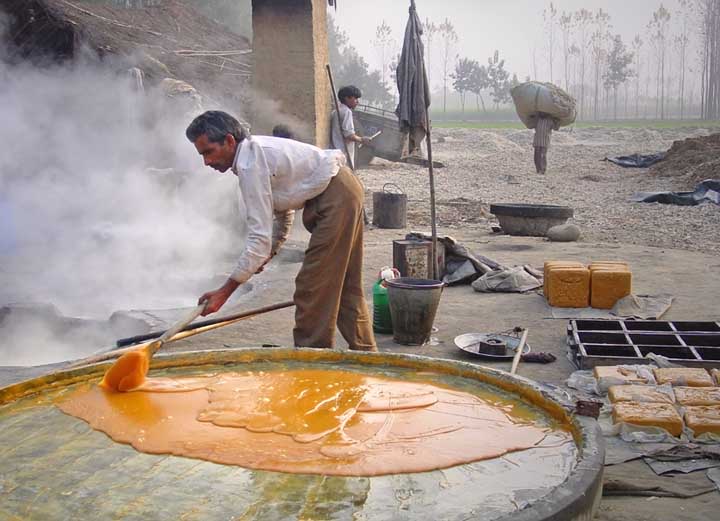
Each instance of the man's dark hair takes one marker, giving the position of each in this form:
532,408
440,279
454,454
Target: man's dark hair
215,124
283,131
349,91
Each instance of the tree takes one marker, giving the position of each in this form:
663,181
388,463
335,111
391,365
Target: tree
566,29
637,45
574,59
550,21
583,22
449,38
384,43
682,41
350,68
462,78
618,70
430,30
533,60
479,81
710,78
498,80
658,28
598,43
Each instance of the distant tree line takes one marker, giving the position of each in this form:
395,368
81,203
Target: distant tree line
467,75
659,74
710,53
350,68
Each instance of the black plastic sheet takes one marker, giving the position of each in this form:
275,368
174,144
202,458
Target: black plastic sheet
708,190
637,160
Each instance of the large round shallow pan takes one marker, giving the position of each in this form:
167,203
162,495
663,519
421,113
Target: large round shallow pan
56,467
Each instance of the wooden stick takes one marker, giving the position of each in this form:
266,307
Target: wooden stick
518,352
433,224
198,328
245,314
339,119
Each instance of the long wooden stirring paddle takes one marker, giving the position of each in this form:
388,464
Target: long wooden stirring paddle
129,371
192,330
518,351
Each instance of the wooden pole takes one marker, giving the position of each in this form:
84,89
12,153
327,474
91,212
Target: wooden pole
433,224
431,175
339,119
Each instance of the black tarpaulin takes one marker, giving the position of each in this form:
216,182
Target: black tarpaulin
637,160
708,190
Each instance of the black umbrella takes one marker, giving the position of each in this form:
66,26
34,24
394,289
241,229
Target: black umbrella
412,110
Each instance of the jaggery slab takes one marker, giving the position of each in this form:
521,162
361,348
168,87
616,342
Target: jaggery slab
618,373
697,395
568,287
703,418
608,376
683,376
557,264
594,265
661,415
608,285
716,375
638,393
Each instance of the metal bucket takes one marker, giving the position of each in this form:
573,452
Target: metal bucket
390,208
413,304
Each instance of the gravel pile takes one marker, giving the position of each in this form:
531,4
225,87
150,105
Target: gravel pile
496,166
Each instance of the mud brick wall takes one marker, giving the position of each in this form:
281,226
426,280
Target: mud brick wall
290,52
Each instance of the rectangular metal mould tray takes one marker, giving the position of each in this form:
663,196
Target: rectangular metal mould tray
612,342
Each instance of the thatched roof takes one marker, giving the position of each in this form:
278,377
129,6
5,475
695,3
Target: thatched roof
169,40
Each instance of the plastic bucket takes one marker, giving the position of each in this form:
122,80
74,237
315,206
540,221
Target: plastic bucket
413,304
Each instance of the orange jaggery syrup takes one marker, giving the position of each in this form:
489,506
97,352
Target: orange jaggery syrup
312,421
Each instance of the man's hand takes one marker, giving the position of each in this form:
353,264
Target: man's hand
365,140
215,299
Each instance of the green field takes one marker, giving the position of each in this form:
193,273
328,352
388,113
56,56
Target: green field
642,123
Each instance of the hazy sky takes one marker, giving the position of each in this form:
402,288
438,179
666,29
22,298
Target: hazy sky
511,26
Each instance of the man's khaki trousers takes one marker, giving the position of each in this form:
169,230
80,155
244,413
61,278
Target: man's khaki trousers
328,289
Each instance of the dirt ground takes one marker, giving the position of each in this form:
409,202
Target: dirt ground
496,166
670,250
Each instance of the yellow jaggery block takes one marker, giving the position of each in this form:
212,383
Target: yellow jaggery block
557,264
638,393
661,415
683,376
617,375
608,285
697,395
703,418
594,265
568,287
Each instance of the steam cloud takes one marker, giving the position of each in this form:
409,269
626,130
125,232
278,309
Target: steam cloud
104,204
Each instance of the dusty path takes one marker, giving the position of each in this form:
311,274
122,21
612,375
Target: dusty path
488,166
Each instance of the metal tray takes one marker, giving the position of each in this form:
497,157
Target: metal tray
469,343
611,342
